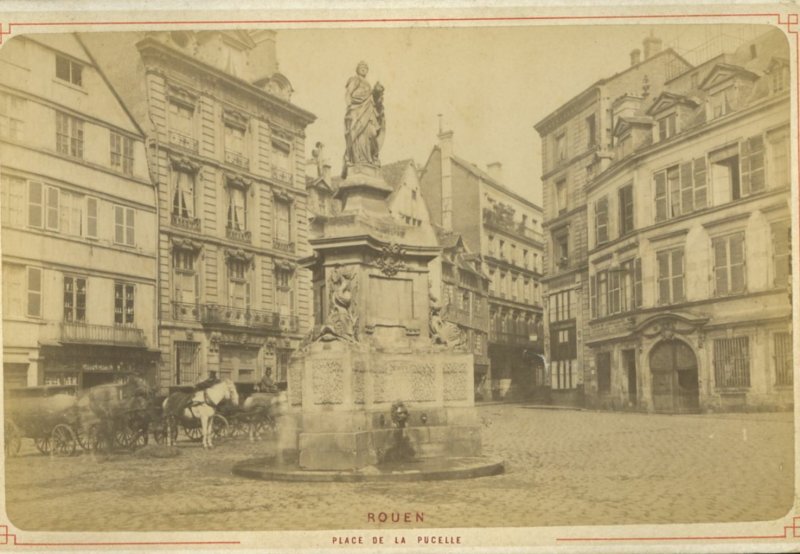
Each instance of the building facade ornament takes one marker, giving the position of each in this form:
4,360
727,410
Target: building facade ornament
390,260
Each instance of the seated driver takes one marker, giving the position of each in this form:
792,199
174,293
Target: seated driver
212,379
267,384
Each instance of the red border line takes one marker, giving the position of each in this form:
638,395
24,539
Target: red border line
792,19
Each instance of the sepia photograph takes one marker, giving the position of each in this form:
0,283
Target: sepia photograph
399,283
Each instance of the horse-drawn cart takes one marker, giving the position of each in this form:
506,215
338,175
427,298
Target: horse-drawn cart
48,415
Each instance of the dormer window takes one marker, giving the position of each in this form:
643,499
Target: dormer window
719,103
779,79
667,126
69,71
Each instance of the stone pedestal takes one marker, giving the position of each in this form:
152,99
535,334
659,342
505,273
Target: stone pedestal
375,346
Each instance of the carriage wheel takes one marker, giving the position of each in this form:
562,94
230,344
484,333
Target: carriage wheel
236,428
221,427
194,433
42,444
125,436
63,440
80,436
160,431
12,439
100,439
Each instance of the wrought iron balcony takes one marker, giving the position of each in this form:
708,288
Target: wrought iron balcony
190,223
237,159
280,174
215,314
183,311
283,245
187,143
113,335
242,235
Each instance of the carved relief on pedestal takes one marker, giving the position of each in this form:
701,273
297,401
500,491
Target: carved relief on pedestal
390,260
423,381
327,381
455,381
359,382
296,384
342,320
443,332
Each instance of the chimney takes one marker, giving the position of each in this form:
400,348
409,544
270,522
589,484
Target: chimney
446,148
263,57
495,171
652,46
636,56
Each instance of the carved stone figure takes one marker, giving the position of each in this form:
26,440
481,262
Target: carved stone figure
364,121
443,332
342,318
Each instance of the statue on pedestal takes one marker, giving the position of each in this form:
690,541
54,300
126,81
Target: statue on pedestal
364,121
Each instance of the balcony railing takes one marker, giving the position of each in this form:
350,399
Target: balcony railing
237,159
281,174
283,245
84,333
191,223
187,143
509,338
182,311
242,235
459,316
214,314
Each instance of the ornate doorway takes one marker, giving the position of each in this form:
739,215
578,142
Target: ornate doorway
674,371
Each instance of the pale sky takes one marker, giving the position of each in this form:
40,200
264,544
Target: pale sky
491,84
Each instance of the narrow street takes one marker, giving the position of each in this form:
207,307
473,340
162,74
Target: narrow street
562,467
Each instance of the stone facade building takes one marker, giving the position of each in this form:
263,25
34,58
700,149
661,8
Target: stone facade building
684,286
227,151
78,222
504,230
577,146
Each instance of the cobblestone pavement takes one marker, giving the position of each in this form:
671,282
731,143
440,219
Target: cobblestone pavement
562,467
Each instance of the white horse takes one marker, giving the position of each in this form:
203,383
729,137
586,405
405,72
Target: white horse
202,405
260,409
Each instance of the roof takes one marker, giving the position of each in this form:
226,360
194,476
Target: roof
446,237
484,176
393,173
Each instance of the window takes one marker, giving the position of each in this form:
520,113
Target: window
729,264
237,208
70,213
778,143
185,276
181,118
670,276
601,220
35,204
625,210
281,158
183,194
51,215
14,287
725,174
603,363
781,245
562,374
591,132
123,226
124,303
234,139
12,198
616,290
34,292
720,103
561,196
667,126
561,306
732,362
74,299
69,71
239,285
502,249
782,356
91,217
121,153
69,135
561,147
779,79
12,116
525,259
283,228
680,189
753,179
561,247
283,291
187,362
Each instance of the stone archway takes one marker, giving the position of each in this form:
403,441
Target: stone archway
675,385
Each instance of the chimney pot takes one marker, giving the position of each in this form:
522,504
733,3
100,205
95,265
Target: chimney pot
652,46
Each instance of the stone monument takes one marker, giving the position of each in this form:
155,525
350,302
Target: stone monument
381,380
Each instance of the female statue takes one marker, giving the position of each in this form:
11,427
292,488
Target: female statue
364,120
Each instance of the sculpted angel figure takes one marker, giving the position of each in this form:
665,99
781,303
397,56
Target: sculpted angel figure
364,121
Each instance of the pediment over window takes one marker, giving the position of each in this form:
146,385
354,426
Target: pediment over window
667,100
238,181
184,163
625,124
280,132
282,196
670,324
285,265
239,255
182,95
186,244
235,118
722,73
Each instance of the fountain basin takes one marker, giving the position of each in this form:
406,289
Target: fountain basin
423,469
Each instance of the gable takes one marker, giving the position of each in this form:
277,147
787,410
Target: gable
721,73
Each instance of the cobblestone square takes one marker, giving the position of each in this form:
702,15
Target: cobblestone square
562,467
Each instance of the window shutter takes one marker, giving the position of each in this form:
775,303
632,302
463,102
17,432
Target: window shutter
637,282
661,195
35,204
687,192
593,295
700,187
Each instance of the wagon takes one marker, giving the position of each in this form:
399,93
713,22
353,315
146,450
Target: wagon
191,427
115,415
253,416
48,414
